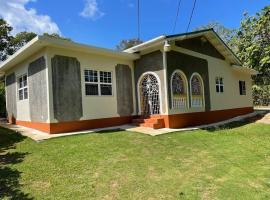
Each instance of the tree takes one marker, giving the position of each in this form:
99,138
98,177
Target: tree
2,100
5,39
253,49
125,44
226,34
19,40
56,36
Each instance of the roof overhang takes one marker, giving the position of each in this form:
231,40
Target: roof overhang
209,34
244,70
40,42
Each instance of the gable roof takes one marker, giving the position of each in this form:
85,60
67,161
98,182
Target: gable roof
209,34
40,42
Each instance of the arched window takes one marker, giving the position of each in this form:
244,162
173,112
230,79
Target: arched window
197,93
179,90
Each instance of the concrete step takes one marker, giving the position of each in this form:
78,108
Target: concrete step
155,122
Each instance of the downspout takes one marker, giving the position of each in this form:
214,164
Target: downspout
166,48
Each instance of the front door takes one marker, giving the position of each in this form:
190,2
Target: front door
149,95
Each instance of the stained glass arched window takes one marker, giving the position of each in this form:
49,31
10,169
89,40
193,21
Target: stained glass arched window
179,90
196,87
178,85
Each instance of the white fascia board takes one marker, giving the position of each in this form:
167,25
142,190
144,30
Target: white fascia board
53,42
149,43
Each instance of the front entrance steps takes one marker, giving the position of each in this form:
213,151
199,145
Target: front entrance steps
153,121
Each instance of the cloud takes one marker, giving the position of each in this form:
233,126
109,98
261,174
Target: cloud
91,10
23,19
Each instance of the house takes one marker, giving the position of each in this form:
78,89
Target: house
174,81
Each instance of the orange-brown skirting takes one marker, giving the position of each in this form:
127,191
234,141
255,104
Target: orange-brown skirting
200,118
171,121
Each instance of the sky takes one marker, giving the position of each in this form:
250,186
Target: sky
105,23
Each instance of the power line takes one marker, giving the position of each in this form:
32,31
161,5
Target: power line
177,14
194,4
138,18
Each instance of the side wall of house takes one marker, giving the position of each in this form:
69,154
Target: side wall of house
70,107
218,106
35,107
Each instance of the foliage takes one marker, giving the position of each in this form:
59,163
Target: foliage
9,44
125,44
5,39
56,36
2,100
253,48
19,40
226,34
261,95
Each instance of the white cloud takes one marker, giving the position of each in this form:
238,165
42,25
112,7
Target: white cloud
91,10
23,19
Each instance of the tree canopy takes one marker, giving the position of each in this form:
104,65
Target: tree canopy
125,44
226,34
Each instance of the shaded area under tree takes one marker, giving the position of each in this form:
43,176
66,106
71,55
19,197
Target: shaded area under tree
9,178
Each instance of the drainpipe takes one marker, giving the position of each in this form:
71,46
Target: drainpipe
166,48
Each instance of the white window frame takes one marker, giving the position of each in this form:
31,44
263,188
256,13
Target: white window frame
23,88
98,83
219,84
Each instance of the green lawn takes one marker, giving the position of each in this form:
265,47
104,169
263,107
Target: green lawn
229,163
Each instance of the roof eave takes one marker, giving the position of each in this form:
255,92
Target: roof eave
40,42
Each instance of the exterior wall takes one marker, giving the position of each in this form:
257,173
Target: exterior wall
37,82
124,90
230,98
22,109
151,62
93,107
188,65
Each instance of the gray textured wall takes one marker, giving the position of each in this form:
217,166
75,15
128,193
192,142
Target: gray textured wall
189,64
11,95
38,90
203,47
152,62
67,93
124,90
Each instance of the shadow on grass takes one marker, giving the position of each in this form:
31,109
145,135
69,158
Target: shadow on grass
9,178
108,131
235,124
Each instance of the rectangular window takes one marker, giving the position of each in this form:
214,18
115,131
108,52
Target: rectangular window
91,82
219,85
242,87
98,82
22,87
105,83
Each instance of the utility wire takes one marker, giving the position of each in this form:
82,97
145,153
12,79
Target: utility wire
138,18
194,4
177,14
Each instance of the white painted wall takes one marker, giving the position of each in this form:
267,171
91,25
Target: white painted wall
94,107
23,108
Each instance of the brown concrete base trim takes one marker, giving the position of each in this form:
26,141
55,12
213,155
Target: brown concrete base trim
201,118
171,121
62,127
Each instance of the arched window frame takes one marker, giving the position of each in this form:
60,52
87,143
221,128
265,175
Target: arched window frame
182,74
139,94
202,89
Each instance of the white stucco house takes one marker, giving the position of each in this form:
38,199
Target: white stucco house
174,81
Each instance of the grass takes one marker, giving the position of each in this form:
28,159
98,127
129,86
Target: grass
228,163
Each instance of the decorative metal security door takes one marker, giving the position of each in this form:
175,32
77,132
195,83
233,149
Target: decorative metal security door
149,95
